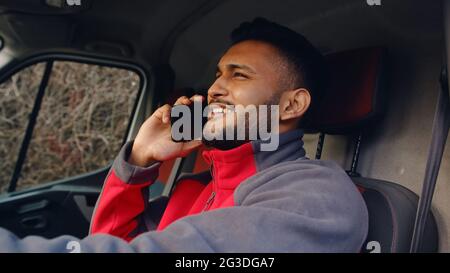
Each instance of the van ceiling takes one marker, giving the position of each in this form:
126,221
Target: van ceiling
331,25
141,27
143,30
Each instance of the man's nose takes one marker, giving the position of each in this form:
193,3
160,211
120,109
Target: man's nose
217,90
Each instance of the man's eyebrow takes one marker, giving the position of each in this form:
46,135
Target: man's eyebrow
236,66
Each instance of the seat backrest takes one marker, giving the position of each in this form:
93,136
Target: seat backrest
392,211
355,100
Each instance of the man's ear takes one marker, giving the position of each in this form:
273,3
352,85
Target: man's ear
294,103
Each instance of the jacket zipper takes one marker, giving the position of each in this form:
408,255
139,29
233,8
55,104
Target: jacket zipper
213,193
209,202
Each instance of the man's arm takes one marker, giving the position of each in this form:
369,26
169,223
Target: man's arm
124,198
299,208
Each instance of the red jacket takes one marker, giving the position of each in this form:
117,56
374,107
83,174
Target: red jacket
122,202
252,200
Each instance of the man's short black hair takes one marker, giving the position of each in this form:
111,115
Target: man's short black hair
304,59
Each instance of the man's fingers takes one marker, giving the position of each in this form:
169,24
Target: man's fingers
166,115
183,100
197,97
187,101
163,113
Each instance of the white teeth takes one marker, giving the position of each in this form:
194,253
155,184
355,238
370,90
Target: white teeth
215,110
229,110
222,110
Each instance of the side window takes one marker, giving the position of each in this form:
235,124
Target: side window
17,97
81,123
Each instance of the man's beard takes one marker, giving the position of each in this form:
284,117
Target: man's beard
227,144
223,144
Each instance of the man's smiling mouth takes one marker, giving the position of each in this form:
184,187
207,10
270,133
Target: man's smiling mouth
218,109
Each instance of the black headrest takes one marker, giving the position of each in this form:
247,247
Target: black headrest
356,95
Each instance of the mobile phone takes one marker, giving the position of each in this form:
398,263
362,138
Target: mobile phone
187,121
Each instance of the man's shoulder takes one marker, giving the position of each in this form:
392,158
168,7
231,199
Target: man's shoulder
300,177
317,189
307,171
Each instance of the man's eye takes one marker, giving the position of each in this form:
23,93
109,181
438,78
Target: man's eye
239,75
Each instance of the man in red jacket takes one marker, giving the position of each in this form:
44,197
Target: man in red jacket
250,200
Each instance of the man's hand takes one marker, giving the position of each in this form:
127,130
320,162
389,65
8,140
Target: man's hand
154,142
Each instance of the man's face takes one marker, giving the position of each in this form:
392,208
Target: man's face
249,73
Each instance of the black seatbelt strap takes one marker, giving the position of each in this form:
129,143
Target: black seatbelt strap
438,138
